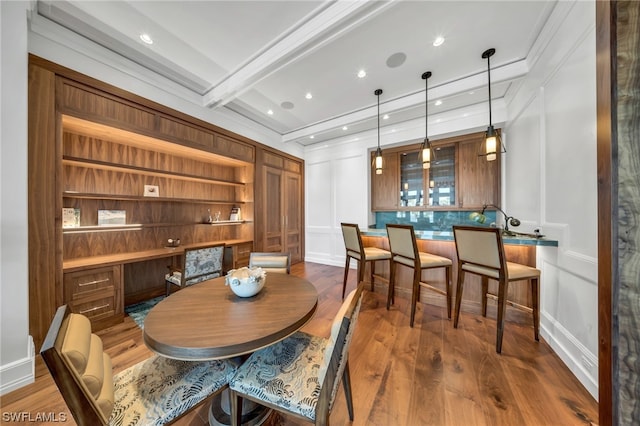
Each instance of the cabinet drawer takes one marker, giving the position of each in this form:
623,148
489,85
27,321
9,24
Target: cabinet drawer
83,283
95,309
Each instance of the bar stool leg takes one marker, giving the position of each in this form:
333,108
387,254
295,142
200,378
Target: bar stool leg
485,289
502,310
459,282
415,293
447,283
346,275
392,273
535,296
373,271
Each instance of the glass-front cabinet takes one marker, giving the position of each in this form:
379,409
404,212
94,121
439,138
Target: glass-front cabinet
458,178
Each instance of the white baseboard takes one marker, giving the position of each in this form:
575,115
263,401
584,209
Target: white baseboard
18,373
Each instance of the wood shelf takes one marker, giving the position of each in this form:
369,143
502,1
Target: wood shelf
87,196
139,226
103,165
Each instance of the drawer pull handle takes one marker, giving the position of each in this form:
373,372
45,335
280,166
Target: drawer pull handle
94,308
93,282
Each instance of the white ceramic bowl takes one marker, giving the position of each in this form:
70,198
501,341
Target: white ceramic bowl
246,282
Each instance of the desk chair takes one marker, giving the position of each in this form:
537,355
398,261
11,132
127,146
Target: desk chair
356,250
153,392
197,264
300,374
271,262
481,252
404,251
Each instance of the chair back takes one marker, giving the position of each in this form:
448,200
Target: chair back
352,240
402,244
336,357
202,263
480,249
271,262
79,367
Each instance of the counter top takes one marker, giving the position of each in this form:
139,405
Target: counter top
523,240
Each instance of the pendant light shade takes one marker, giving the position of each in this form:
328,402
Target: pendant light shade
426,149
492,140
378,159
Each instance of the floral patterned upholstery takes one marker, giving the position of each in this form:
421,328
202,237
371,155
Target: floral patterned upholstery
291,374
199,264
157,390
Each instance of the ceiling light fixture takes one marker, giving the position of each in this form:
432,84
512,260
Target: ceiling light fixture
308,95
385,117
378,159
362,74
438,41
426,148
270,112
438,102
344,128
146,38
492,138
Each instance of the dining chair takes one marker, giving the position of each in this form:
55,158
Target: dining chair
300,375
271,262
481,252
404,251
363,255
155,391
196,265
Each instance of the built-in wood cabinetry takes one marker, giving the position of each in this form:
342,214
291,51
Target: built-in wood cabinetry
279,205
94,147
459,178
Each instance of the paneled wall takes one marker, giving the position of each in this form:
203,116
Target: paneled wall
548,176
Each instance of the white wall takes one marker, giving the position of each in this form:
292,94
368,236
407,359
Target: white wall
16,352
549,179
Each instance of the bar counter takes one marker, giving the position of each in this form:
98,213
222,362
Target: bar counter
520,248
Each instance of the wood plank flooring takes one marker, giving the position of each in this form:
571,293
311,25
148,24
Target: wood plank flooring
431,374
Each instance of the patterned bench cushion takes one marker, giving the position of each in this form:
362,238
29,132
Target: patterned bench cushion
157,390
286,374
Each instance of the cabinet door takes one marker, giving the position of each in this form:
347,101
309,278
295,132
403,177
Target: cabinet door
293,215
479,179
273,213
385,188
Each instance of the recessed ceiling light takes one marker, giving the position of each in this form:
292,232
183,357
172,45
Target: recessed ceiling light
311,137
270,112
362,74
146,38
438,120
471,92
344,127
308,95
385,117
438,102
438,41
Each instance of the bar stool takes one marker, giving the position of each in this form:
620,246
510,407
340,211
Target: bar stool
481,252
356,250
404,251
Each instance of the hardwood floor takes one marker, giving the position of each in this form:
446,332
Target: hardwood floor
431,374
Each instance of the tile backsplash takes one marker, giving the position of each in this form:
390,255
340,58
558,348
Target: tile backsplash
438,220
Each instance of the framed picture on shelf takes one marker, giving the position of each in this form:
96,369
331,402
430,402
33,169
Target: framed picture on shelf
70,217
151,191
112,217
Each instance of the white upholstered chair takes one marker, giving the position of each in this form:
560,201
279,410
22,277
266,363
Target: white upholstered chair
155,391
404,251
481,252
356,250
300,375
271,262
197,264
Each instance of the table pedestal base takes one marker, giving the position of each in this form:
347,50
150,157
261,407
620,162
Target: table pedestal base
220,411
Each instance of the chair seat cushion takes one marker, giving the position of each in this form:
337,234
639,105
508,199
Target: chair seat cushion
286,374
426,261
157,390
175,278
375,253
516,271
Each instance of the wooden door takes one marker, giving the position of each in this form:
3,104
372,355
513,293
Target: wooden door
385,188
478,179
293,215
274,210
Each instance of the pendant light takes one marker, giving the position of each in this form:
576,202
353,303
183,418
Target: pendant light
427,151
492,138
378,159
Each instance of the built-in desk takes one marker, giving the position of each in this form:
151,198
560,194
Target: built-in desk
100,286
520,249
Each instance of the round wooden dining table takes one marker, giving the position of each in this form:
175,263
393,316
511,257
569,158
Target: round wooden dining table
208,321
